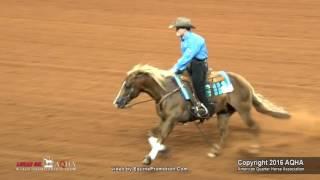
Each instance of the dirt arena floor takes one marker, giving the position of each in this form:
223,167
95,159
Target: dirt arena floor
62,63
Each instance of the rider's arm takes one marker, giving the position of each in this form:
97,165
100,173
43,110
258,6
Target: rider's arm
190,52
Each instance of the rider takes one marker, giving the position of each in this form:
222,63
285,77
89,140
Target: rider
194,60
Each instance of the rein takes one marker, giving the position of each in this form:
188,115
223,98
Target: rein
167,95
160,101
140,102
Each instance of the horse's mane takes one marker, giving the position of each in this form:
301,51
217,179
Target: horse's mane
157,74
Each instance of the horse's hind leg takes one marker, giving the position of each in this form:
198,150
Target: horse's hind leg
254,127
223,121
157,138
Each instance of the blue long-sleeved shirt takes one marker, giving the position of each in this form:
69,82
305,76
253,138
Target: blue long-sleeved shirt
192,46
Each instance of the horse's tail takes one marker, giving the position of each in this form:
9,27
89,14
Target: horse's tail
264,106
260,103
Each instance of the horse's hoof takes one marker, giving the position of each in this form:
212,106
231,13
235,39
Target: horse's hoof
211,155
215,150
147,160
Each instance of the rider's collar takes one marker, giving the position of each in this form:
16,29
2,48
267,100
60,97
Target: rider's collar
186,35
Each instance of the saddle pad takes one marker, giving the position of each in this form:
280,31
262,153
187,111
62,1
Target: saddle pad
215,77
219,84
222,87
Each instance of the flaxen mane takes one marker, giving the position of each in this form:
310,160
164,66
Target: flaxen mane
157,74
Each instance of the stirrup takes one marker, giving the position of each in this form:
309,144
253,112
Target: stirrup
201,107
205,108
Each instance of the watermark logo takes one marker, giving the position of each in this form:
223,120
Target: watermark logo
47,164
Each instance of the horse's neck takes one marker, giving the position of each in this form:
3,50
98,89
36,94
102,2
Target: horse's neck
153,89
170,85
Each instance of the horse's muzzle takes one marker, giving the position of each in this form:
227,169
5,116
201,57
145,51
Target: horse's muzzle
121,102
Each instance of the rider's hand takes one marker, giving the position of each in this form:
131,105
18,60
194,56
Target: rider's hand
172,70
179,72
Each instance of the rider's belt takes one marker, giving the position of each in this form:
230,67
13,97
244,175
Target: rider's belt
200,59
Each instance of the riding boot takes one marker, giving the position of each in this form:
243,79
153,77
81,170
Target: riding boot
204,106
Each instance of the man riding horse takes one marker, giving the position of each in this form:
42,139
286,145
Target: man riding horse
172,108
194,61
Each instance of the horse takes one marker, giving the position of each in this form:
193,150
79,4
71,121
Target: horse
172,108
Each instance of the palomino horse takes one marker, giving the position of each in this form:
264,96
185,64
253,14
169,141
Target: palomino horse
172,108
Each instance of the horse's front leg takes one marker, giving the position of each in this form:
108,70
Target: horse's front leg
157,138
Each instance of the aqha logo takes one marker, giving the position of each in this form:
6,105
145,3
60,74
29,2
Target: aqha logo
294,162
66,164
48,163
59,165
